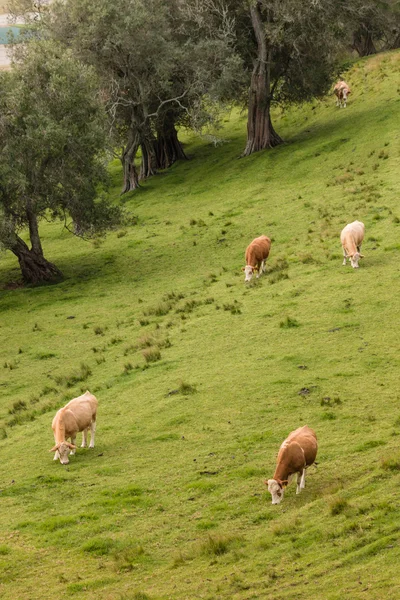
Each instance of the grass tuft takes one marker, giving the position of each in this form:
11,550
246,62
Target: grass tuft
289,323
152,355
75,377
338,506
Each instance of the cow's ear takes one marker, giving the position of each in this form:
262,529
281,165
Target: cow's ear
54,449
71,446
243,268
283,483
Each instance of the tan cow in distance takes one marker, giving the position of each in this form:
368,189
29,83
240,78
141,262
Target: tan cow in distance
351,239
341,90
297,452
256,254
78,415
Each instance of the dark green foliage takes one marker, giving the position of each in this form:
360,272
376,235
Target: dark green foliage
53,125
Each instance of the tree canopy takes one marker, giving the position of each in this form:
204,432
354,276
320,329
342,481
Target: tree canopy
52,163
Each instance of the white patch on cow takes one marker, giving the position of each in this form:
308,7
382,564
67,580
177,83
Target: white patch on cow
248,273
56,455
275,490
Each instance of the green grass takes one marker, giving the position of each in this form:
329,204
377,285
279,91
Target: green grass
172,503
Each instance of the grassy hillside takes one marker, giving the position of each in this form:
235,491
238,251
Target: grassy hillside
200,378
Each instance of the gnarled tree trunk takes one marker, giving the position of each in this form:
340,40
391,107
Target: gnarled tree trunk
149,164
260,132
363,43
131,178
35,268
169,149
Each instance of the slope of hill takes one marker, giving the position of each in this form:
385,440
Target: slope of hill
199,377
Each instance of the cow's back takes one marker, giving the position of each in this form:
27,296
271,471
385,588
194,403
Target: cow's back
355,231
79,412
258,250
307,440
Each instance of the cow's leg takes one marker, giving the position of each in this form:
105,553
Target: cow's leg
92,432
73,438
56,455
84,438
298,488
345,256
303,480
262,269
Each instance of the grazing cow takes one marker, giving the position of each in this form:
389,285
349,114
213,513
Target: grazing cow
256,254
78,415
296,453
351,238
341,90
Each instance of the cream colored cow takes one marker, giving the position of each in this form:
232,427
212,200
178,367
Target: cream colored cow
78,415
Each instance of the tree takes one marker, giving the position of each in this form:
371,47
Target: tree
373,25
131,46
51,157
155,64
294,58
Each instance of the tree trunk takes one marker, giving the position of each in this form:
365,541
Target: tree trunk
149,164
35,268
260,132
34,231
363,43
131,179
169,149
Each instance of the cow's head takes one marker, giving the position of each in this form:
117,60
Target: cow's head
248,272
62,450
276,489
354,258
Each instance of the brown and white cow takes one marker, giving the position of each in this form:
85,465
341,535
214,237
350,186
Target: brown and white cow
351,239
256,254
341,90
78,415
297,452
